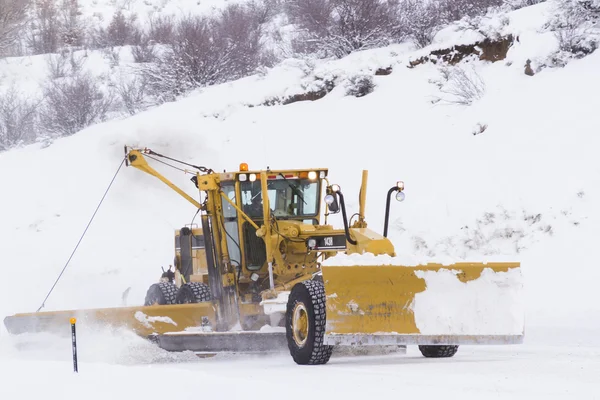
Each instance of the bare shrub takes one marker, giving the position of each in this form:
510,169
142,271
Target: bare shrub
13,14
207,51
239,31
144,52
57,66
111,55
72,104
133,95
162,29
18,119
63,65
339,27
463,87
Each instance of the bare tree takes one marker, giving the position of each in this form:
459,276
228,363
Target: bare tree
45,28
71,26
13,14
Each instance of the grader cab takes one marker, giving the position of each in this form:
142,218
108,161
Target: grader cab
263,270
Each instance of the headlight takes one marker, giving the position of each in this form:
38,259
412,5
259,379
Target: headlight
252,177
312,175
400,196
243,177
312,243
335,188
400,185
329,199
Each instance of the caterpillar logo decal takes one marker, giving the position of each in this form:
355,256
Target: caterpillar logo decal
336,242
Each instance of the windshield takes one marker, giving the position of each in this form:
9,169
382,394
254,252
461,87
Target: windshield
287,197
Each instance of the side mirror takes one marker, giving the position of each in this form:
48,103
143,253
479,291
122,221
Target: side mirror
331,201
399,189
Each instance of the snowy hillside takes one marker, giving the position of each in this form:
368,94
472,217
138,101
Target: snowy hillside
513,175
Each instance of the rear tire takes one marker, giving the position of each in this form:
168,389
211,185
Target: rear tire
438,351
193,292
161,293
305,324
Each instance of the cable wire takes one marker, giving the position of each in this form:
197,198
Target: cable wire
81,237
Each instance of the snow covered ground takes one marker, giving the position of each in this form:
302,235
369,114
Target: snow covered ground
525,189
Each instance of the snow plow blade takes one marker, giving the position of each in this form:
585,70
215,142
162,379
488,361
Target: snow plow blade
221,342
143,320
432,304
174,328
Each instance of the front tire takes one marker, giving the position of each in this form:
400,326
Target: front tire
305,324
438,351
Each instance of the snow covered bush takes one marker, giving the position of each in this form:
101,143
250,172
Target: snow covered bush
18,117
359,85
576,26
420,21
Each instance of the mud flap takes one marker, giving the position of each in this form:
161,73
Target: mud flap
455,304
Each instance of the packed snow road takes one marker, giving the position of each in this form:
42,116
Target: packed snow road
122,367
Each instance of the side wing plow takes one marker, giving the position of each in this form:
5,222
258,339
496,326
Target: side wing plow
383,303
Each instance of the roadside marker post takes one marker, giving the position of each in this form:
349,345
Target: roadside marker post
74,344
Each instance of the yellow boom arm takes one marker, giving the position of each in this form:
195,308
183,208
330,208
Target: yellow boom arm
136,159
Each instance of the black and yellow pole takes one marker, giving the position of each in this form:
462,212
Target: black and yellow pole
74,343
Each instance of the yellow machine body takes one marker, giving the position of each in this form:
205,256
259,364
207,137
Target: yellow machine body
261,235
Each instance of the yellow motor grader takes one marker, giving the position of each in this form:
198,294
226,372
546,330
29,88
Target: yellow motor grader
263,270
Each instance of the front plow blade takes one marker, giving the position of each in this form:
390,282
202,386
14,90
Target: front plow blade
432,304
